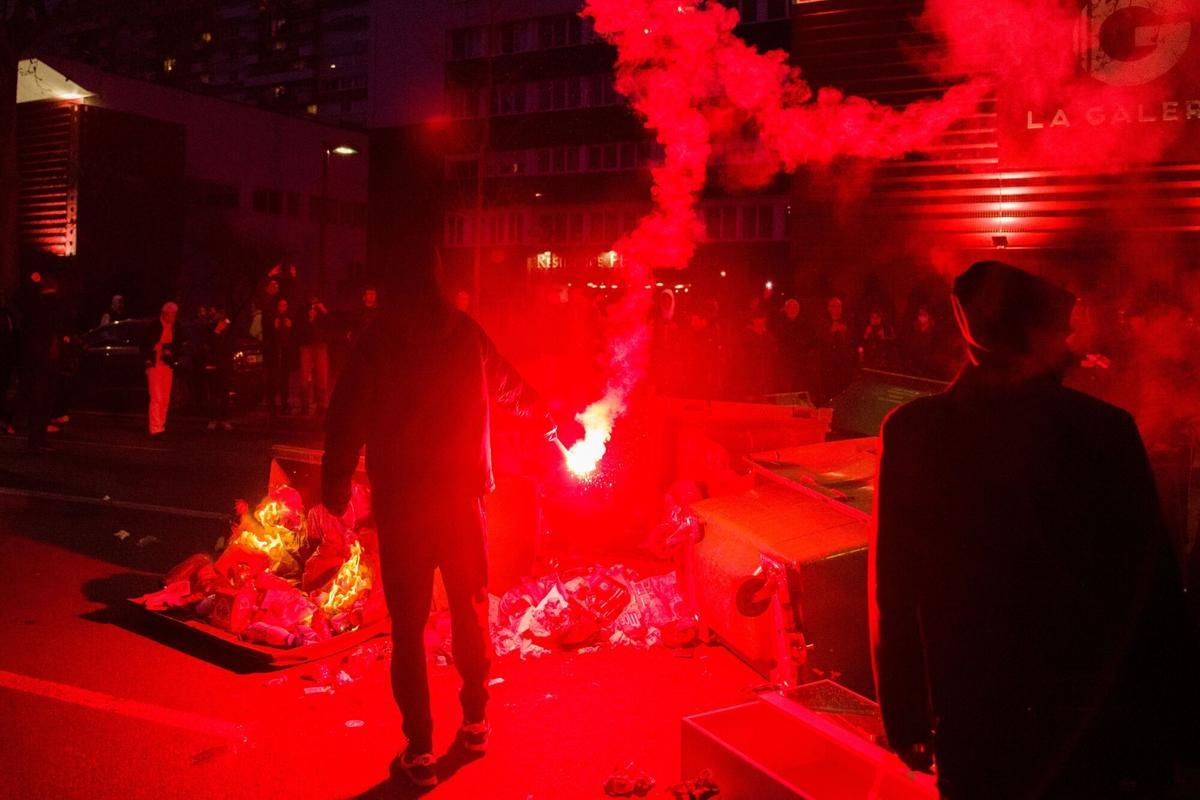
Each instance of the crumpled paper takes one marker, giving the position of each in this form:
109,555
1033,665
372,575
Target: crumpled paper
586,608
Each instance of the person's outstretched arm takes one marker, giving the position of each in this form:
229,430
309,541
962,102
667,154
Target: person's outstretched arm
896,647
506,387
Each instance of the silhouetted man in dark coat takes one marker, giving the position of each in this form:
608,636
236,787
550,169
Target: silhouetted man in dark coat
41,312
1028,629
418,391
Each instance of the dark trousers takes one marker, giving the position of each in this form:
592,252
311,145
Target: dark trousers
279,373
37,389
417,535
214,394
7,367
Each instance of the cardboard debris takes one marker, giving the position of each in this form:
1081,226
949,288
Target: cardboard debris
587,608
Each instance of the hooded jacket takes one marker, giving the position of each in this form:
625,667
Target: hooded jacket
418,392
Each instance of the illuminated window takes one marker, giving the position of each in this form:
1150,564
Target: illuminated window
206,37
312,108
168,64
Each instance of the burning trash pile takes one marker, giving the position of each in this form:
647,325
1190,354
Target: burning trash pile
590,607
285,578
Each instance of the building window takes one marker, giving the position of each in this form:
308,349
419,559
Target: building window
463,103
628,155
516,228
268,201
456,226
314,209
515,37
612,226
214,193
509,99
560,31
601,92
168,65
462,168
766,222
721,223
467,43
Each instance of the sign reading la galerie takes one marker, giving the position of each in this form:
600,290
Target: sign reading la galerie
1135,84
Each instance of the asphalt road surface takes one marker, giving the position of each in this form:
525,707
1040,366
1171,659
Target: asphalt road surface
99,701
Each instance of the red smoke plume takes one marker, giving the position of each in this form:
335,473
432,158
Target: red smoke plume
703,90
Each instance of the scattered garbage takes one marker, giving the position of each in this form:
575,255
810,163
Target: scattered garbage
702,788
495,681
282,577
588,608
629,782
354,723
122,535
351,669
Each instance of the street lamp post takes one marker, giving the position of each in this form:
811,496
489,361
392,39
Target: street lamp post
330,150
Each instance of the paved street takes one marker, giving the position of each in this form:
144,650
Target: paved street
97,701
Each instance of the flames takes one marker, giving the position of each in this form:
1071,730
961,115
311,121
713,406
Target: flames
276,529
286,578
597,420
353,579
584,456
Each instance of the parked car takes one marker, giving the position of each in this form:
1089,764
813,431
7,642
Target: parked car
112,372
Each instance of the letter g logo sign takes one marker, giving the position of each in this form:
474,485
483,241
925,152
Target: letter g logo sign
1131,42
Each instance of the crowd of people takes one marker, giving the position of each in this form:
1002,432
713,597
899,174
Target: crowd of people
40,354
785,346
702,345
